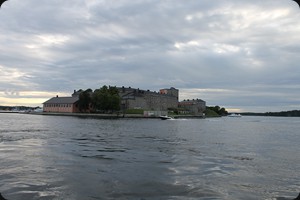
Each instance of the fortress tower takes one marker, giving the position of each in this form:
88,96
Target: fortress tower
171,92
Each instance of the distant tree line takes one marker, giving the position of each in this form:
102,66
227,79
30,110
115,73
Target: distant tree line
292,113
6,107
105,99
17,107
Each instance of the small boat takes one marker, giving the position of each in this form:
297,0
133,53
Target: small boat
235,115
165,117
37,110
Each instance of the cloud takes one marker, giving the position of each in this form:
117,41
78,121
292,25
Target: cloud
227,52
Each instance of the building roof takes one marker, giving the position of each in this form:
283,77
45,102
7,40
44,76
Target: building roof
61,100
191,102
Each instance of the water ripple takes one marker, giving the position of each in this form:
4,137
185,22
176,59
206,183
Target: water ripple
44,157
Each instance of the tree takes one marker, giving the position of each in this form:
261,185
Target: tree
114,99
85,100
218,110
106,99
223,112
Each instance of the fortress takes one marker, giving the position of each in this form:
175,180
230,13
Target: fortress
164,100
144,99
134,98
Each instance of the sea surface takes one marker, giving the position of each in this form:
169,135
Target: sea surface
58,157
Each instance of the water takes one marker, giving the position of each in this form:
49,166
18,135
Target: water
53,157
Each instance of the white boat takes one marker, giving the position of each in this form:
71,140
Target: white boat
165,117
38,110
235,115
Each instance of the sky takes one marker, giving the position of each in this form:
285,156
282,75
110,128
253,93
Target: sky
238,54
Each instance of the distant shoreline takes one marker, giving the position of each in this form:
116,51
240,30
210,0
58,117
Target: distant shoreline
291,113
119,116
8,111
108,116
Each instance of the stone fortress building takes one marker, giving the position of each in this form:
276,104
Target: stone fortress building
153,102
194,107
164,100
147,100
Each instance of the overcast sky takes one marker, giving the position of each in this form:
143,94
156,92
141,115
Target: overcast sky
239,54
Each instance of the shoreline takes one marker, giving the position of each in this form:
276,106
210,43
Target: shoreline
9,111
110,116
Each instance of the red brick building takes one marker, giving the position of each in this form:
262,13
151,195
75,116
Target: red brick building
62,104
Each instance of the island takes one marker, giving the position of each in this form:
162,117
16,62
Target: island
126,101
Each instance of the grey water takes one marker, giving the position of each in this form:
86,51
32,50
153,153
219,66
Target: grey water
56,157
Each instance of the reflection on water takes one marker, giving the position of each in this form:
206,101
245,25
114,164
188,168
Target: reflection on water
46,157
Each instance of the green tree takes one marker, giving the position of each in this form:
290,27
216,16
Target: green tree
223,112
114,99
106,99
218,110
98,98
85,100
